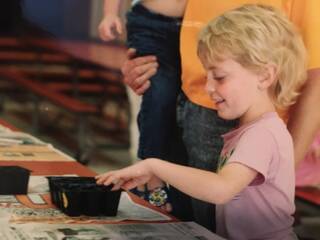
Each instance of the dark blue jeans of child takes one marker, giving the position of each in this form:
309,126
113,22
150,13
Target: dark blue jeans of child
155,34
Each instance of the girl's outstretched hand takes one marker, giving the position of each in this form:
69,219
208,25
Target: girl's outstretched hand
127,178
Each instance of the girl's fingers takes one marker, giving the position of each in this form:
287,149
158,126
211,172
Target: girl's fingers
102,177
130,184
99,176
167,207
111,180
117,184
102,181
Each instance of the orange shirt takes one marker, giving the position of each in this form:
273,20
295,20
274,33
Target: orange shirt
304,13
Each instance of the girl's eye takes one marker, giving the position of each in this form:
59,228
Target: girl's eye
219,78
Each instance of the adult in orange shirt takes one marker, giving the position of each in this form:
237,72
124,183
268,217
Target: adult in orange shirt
201,127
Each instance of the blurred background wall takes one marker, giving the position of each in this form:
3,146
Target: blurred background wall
73,19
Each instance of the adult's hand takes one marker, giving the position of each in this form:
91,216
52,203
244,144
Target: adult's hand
137,71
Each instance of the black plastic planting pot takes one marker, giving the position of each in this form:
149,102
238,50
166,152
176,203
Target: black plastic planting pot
77,196
14,180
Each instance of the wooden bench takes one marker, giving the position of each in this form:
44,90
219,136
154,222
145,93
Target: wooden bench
16,51
83,81
45,91
80,109
55,97
92,77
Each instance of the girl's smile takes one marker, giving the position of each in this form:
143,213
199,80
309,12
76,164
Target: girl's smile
237,91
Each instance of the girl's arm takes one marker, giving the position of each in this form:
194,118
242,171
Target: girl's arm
204,185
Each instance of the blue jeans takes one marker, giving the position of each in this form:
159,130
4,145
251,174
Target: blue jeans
152,33
201,141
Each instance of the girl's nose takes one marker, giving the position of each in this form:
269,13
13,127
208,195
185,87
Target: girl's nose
210,88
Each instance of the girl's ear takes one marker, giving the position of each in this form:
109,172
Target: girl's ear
268,76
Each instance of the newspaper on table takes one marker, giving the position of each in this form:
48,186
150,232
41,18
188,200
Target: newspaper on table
12,138
147,231
19,146
32,153
14,212
36,207
4,129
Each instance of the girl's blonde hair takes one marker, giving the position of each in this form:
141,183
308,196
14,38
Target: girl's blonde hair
256,36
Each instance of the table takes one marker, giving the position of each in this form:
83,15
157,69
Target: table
41,220
61,166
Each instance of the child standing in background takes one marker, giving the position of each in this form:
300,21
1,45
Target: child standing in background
256,63
153,28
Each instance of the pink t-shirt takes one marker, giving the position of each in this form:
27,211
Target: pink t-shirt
264,209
